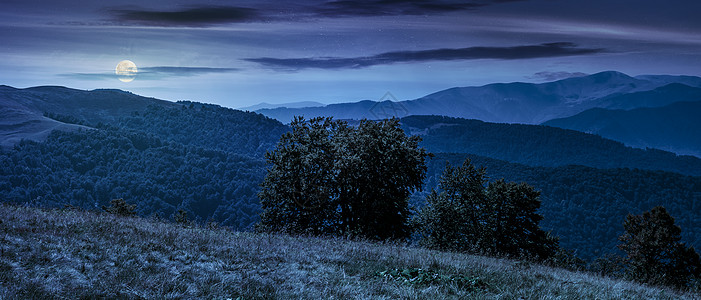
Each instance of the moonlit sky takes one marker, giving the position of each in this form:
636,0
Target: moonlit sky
240,53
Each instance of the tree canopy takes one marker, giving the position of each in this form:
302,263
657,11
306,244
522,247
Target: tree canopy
326,177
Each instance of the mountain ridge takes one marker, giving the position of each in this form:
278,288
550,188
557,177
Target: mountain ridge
673,127
538,145
265,105
516,102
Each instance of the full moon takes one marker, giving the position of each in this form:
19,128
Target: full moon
126,70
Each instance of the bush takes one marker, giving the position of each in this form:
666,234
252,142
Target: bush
609,265
120,207
181,217
567,259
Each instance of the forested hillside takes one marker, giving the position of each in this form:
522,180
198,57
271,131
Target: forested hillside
209,126
539,145
672,127
586,206
201,158
88,168
208,161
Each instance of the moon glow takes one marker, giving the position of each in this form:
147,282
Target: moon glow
126,70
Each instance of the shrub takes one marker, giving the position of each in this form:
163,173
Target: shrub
181,217
120,207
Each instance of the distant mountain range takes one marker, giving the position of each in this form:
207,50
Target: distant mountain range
525,103
265,105
528,103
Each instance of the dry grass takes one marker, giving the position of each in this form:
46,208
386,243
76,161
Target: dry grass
72,254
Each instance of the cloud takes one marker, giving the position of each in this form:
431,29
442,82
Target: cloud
154,73
471,53
203,16
184,71
196,17
554,76
349,8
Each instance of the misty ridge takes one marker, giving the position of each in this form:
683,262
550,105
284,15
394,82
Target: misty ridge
579,156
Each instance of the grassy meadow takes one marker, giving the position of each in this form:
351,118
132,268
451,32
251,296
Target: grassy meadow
72,254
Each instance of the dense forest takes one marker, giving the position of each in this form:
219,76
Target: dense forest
538,145
209,126
204,159
86,169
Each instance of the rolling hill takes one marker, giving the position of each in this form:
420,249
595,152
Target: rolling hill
24,111
674,127
539,145
204,159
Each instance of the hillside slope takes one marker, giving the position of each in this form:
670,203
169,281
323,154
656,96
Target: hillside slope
72,254
674,127
16,124
208,161
538,145
204,159
23,112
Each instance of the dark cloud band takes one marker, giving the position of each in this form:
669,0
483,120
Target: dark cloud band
471,53
200,16
203,16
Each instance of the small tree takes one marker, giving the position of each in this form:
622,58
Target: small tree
512,221
654,252
450,220
499,219
378,167
120,207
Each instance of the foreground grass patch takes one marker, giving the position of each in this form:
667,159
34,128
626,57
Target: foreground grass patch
74,254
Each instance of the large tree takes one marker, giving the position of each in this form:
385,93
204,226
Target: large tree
467,214
327,177
654,251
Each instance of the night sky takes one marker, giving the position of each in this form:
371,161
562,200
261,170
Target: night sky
239,53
